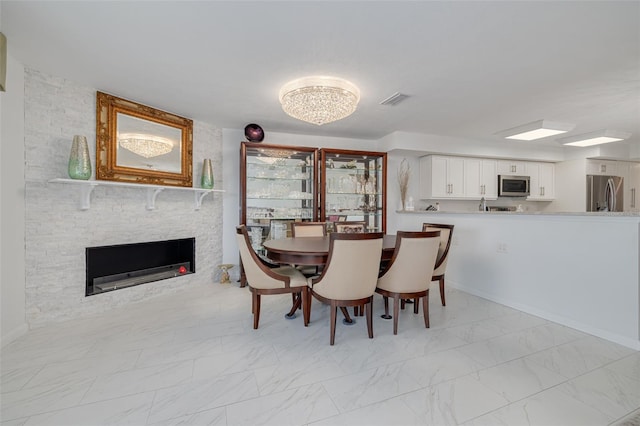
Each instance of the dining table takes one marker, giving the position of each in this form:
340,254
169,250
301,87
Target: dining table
314,251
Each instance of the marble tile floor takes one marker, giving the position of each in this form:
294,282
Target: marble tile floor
192,358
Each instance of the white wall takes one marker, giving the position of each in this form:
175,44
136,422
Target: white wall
577,270
12,204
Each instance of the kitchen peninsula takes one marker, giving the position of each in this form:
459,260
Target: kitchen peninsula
576,269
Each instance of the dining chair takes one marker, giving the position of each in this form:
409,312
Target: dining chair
309,229
443,253
349,277
263,280
355,227
409,272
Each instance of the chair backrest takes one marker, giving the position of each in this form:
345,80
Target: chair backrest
258,274
309,229
352,267
445,243
413,261
350,227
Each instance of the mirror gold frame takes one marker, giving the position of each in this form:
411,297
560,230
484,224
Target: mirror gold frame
119,161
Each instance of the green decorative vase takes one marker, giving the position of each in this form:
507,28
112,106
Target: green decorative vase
79,160
206,182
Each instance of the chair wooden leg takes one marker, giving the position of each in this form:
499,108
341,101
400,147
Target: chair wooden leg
355,311
256,310
396,313
370,317
253,303
425,309
416,305
305,309
332,335
402,304
442,291
307,302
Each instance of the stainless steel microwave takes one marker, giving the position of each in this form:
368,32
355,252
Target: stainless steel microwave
514,186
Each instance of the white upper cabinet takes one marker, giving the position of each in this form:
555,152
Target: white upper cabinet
630,173
512,168
459,178
441,177
481,178
602,167
542,181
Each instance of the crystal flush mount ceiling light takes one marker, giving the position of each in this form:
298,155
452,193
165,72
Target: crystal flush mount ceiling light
595,138
319,99
147,146
536,130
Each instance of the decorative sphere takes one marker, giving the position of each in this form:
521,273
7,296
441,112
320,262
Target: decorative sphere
253,133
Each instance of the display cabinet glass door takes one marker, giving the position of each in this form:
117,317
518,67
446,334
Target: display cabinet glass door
353,188
278,187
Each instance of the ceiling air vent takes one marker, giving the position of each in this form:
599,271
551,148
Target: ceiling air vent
394,99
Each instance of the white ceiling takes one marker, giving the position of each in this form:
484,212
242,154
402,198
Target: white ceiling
471,69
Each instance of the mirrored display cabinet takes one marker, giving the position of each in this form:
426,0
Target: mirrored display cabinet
353,188
278,186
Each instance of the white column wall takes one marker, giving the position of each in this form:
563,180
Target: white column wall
12,204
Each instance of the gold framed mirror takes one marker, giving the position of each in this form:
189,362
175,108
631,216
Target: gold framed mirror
139,144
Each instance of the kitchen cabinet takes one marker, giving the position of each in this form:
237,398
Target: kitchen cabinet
480,178
353,187
511,168
602,167
630,172
441,177
278,185
542,181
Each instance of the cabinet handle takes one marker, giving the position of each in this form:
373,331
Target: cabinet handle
633,197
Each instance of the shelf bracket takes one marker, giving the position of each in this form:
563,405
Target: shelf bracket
199,195
152,193
85,196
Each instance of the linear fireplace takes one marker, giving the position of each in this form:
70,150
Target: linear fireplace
119,266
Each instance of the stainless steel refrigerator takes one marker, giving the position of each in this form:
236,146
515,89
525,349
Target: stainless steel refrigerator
604,193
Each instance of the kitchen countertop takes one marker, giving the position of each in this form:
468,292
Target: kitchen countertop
589,214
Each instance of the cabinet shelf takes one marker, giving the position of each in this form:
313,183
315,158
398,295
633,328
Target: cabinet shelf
151,191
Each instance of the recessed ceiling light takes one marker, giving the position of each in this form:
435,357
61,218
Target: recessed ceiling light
536,130
594,138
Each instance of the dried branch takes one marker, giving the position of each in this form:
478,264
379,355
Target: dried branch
404,173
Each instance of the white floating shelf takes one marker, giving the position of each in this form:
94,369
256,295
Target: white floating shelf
152,191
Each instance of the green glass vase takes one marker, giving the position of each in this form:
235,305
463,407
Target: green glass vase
79,160
206,181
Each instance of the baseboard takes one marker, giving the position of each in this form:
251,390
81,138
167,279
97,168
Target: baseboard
594,331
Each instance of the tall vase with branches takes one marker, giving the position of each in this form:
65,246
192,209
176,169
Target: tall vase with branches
404,173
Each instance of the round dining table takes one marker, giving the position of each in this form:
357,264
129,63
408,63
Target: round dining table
312,251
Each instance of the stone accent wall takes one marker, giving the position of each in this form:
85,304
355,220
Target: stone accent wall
57,232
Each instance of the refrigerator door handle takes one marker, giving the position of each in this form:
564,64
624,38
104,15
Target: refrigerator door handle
610,195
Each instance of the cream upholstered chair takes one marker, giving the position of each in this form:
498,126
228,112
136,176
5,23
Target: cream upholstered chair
350,227
309,229
443,253
349,278
264,280
408,275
